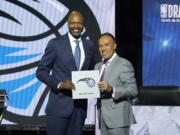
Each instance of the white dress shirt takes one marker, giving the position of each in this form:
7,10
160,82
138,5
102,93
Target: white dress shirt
108,62
73,46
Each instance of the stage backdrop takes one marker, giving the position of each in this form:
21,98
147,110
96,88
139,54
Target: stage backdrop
25,28
161,49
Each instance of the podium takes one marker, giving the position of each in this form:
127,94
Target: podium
3,102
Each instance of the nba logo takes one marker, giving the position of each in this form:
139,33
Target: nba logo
164,8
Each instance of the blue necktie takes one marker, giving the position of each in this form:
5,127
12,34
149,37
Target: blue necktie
77,54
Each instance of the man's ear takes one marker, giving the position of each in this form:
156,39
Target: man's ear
115,46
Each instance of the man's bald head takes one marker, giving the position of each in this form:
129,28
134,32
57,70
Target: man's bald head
75,13
75,24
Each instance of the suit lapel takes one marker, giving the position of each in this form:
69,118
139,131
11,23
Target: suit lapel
100,67
69,51
85,47
110,68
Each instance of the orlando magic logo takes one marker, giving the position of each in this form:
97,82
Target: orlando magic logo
89,81
26,27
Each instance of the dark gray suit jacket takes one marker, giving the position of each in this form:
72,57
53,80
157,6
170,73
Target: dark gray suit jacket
117,111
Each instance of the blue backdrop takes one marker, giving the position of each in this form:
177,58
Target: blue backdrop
161,39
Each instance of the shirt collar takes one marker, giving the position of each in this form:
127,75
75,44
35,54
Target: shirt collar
71,38
109,61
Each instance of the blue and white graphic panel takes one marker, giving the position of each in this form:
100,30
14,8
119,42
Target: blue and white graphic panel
26,28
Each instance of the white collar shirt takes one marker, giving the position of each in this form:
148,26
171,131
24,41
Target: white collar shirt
73,46
102,69
108,62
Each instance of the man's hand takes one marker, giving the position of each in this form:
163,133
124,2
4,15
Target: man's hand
104,86
67,85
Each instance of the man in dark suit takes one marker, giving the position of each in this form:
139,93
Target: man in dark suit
70,52
118,87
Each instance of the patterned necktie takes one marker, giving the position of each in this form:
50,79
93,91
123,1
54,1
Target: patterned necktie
106,62
104,71
77,54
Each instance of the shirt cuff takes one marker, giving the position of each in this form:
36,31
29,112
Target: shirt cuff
58,87
113,93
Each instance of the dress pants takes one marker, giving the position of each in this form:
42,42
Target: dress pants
67,126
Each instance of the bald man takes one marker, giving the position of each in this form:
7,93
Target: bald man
63,55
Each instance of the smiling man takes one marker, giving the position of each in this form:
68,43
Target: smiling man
118,87
75,24
63,55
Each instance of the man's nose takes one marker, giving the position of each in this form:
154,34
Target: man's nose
76,25
103,49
